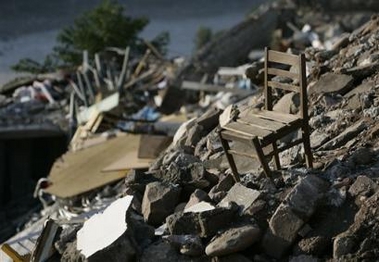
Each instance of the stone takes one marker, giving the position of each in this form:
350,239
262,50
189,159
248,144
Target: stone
361,72
304,197
348,134
274,246
204,223
285,216
342,245
288,104
196,197
105,232
209,120
164,252
332,83
362,156
219,191
236,257
189,245
318,138
194,135
303,258
295,210
159,201
199,207
315,246
212,221
243,196
363,186
341,42
233,240
183,224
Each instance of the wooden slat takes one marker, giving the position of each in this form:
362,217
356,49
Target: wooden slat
283,58
277,116
284,73
230,135
247,130
286,87
260,122
233,152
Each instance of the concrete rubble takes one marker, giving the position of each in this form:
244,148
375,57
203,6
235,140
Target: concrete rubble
186,205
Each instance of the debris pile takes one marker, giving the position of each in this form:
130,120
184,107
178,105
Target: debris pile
186,206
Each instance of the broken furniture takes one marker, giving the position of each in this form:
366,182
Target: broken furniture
263,129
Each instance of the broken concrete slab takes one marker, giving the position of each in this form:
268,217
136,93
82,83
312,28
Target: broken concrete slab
243,196
332,83
233,240
102,230
159,201
298,207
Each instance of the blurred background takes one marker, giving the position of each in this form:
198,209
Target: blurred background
29,28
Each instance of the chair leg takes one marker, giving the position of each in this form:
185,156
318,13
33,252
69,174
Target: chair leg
261,157
276,156
307,147
229,157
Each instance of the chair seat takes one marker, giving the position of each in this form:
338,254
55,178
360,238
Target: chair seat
267,126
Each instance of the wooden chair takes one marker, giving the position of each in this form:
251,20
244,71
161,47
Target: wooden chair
263,128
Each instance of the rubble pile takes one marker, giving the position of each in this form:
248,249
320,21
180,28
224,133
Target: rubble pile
187,207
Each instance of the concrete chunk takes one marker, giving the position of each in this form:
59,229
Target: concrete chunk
332,83
159,201
101,230
244,197
233,240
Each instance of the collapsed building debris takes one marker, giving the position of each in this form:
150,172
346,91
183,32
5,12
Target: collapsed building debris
184,205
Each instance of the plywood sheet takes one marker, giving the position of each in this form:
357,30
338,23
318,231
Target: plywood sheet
128,161
79,172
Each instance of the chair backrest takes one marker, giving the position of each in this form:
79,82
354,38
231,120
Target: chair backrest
291,68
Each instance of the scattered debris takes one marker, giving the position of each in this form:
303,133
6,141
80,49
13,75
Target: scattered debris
178,200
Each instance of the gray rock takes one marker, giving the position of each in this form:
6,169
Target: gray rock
361,156
209,120
219,191
164,252
298,207
194,135
348,134
304,197
204,224
285,216
318,138
315,246
189,245
361,72
332,83
289,103
244,197
232,258
121,250
233,240
159,201
196,197
303,258
342,245
363,186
